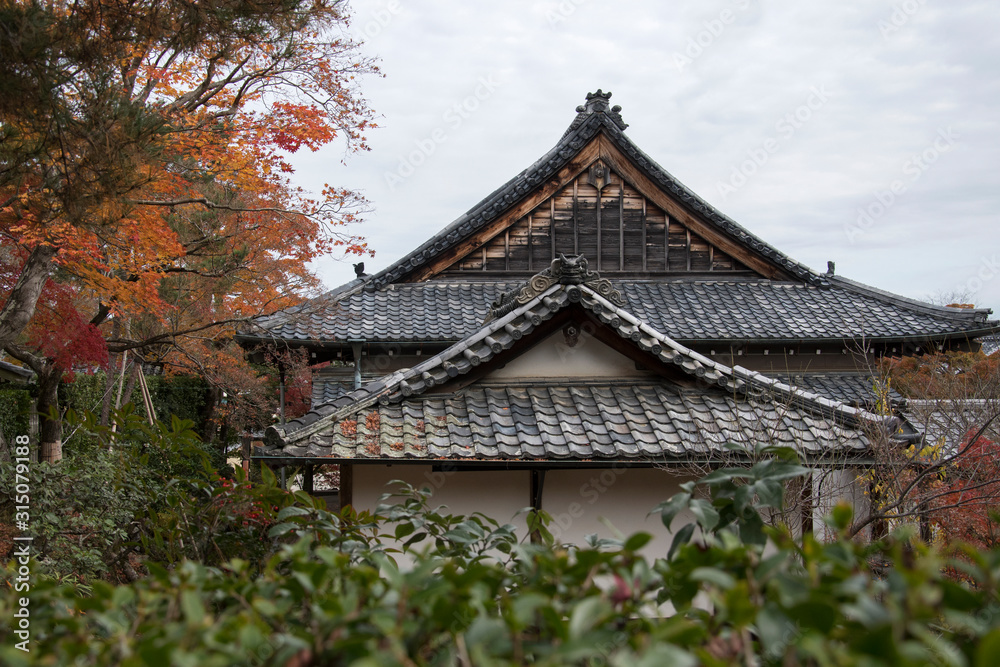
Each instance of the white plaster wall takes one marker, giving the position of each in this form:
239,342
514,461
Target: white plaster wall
552,357
579,501
499,494
832,485
605,501
582,502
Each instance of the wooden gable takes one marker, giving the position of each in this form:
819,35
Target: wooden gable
601,206
603,217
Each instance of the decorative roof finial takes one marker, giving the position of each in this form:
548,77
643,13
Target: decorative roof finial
598,102
564,270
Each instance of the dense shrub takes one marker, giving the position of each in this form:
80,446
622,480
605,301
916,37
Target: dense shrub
91,511
181,396
15,406
471,594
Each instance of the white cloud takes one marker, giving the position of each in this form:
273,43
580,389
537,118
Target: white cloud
890,93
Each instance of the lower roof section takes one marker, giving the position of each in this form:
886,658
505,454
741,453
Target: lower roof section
855,389
686,310
578,422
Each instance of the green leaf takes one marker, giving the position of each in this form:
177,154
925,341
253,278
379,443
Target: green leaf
404,529
637,541
666,654
191,605
723,475
292,511
682,537
714,576
671,508
842,515
770,492
707,516
586,614
775,629
988,650
280,529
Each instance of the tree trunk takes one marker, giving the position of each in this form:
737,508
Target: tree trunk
50,436
20,305
112,375
130,384
209,426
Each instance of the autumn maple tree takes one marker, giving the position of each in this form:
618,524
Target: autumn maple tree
949,480
144,174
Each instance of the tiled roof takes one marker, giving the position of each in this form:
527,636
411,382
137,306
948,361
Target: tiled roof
578,422
855,389
685,310
328,390
991,344
953,421
595,117
721,386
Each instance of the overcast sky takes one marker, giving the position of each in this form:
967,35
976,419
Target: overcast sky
867,133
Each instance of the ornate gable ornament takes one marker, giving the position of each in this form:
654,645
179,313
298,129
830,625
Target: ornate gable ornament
563,270
598,102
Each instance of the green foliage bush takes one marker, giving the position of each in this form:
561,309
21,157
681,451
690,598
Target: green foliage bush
15,407
337,592
181,396
91,510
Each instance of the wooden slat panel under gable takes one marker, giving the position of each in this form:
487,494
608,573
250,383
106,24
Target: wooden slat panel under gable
700,259
518,246
610,230
603,217
656,238
564,224
541,242
632,205
586,211
677,253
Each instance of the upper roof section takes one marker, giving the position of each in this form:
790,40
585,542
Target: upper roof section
594,194
688,269
691,311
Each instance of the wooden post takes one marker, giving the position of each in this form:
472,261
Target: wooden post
535,493
307,480
346,484
806,499
245,448
281,394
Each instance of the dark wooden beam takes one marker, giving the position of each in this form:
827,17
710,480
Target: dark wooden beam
621,163
644,234
346,484
621,226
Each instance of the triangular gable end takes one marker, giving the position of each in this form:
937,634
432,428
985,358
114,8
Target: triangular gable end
599,215
597,195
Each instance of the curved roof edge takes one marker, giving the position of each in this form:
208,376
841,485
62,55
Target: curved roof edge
973,314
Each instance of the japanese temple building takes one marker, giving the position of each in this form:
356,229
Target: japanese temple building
585,339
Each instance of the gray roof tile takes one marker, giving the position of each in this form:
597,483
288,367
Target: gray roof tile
735,310
604,421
